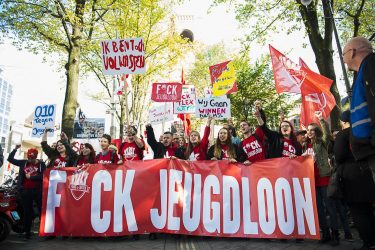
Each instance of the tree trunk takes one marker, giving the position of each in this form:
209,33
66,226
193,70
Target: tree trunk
324,61
71,93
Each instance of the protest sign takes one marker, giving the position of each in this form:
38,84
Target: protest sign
166,92
88,128
273,198
44,117
160,114
123,56
218,107
223,78
187,103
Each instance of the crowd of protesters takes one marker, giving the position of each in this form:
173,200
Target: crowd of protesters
351,152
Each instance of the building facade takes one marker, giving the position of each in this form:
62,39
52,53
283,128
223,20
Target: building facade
6,94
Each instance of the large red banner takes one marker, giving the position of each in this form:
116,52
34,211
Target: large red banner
269,199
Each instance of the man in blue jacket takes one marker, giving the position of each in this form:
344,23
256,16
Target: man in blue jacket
359,55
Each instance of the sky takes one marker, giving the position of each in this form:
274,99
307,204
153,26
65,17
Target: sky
36,82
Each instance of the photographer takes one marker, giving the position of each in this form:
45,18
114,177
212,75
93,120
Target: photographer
132,148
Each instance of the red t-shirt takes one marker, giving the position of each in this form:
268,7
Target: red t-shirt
83,160
32,170
60,162
107,158
253,148
224,149
319,181
199,153
170,151
288,148
131,152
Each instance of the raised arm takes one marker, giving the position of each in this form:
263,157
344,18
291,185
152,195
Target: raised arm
325,127
207,129
151,140
68,148
11,159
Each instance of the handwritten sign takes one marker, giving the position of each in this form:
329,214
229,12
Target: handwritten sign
160,113
187,103
44,117
123,56
166,92
218,108
223,79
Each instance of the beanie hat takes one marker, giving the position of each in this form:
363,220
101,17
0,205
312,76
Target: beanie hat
32,153
345,116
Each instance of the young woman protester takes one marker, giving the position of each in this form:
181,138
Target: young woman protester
86,155
358,185
282,143
107,156
132,148
317,146
196,149
61,156
29,184
223,149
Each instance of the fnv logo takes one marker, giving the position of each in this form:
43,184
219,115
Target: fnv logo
78,186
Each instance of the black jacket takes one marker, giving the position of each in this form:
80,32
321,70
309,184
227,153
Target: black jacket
211,151
72,156
362,148
21,174
276,143
157,147
357,180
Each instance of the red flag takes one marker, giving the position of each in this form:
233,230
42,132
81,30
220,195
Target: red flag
287,75
185,118
316,95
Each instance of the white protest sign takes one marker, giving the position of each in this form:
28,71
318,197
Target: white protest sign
217,107
44,117
187,103
123,56
159,113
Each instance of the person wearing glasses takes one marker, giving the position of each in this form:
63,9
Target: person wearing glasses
359,55
282,143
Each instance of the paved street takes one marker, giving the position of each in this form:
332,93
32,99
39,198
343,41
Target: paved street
165,243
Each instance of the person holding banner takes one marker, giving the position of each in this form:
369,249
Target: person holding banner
132,148
29,184
223,149
196,149
252,148
282,143
87,155
107,156
63,155
164,149
317,146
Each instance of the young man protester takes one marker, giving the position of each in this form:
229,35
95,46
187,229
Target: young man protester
252,147
163,149
29,184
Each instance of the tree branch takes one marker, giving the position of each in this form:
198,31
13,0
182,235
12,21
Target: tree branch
61,10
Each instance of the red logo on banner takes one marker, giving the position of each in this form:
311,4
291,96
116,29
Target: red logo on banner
78,186
272,199
166,92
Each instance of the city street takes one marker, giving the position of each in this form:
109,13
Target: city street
167,242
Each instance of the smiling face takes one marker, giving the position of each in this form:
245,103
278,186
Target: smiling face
311,134
60,147
104,143
194,137
223,135
181,142
86,151
286,130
